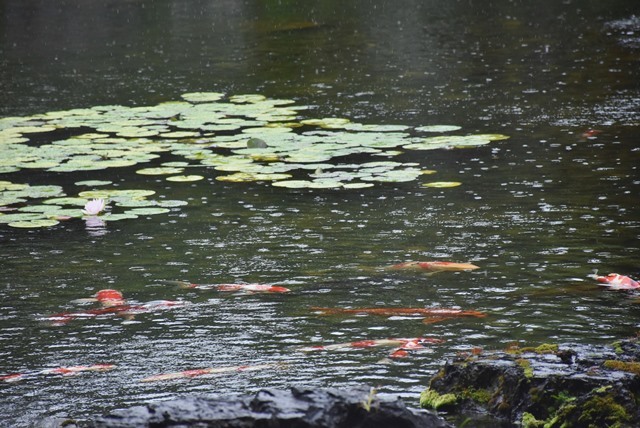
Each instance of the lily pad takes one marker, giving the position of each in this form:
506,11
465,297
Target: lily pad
29,224
438,128
147,211
185,178
241,177
202,97
93,183
160,171
442,184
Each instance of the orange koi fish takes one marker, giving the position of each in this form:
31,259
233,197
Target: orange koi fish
401,345
64,371
434,267
208,371
616,282
249,288
430,315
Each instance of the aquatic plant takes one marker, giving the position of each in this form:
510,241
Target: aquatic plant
244,138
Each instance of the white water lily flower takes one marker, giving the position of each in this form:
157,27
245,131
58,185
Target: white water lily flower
94,207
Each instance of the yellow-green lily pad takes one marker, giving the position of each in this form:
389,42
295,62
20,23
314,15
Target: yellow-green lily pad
442,184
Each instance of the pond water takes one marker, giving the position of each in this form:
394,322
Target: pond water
537,212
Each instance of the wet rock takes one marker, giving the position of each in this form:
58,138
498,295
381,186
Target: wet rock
549,386
296,408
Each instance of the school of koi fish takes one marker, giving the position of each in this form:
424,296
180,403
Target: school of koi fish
112,303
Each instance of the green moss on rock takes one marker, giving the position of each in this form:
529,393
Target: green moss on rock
430,399
603,410
631,367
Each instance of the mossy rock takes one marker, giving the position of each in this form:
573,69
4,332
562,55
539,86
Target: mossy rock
550,386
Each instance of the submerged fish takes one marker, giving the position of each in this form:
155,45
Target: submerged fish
433,267
249,288
109,297
106,297
430,315
208,371
401,345
64,371
126,310
616,282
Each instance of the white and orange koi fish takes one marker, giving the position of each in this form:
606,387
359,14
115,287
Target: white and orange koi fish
106,297
401,345
434,267
248,288
126,310
187,374
64,371
615,281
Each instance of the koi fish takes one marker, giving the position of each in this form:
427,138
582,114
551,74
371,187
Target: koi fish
249,288
616,282
434,267
208,371
431,315
401,345
106,297
64,371
589,134
121,310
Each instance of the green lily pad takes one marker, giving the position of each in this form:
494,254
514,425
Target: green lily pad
147,211
18,217
29,224
185,178
160,171
93,183
113,193
241,177
311,184
171,203
438,128
66,201
202,97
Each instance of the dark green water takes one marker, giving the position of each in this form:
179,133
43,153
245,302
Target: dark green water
538,212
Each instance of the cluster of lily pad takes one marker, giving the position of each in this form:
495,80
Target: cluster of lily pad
243,137
54,206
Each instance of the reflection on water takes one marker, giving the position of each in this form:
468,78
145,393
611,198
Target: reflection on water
538,212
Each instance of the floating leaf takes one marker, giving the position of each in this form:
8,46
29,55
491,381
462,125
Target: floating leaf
314,184
246,176
112,193
185,178
438,128
171,203
93,183
202,97
160,171
442,184
147,211
34,223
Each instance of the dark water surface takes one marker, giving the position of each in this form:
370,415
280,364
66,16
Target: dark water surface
538,212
